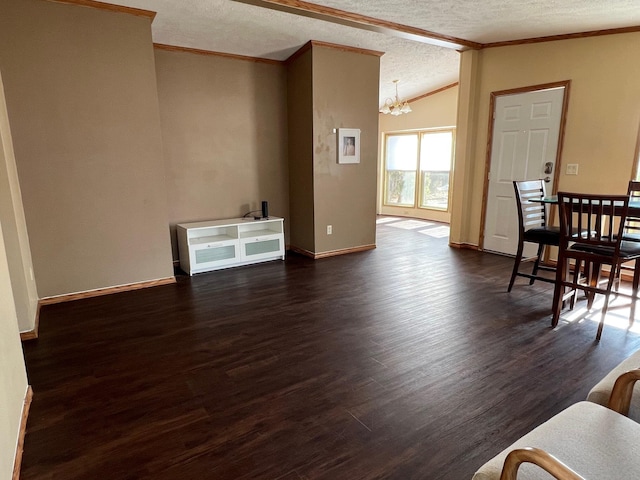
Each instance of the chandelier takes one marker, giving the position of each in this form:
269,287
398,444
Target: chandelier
395,106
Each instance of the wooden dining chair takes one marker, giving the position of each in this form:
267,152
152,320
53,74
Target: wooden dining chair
632,226
631,234
532,228
601,219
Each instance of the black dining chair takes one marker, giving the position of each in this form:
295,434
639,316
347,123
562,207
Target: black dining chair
632,225
631,234
601,219
533,228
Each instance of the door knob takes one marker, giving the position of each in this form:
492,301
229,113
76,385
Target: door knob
548,168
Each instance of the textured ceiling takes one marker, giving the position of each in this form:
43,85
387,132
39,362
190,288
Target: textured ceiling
239,28
487,21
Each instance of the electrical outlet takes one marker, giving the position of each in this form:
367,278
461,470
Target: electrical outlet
572,169
329,229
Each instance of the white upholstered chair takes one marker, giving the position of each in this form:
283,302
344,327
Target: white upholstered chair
601,392
586,440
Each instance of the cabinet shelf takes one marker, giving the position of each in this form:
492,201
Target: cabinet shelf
210,239
216,244
258,233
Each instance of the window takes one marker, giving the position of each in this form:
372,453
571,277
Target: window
400,177
435,166
418,169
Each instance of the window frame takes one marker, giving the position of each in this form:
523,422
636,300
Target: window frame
418,200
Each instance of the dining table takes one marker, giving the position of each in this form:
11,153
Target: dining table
634,203
632,211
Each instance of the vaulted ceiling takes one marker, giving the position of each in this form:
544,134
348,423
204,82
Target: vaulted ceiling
420,38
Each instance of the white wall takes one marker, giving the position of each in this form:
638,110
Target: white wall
14,225
13,375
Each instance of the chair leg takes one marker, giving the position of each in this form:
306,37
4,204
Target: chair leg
634,292
536,264
576,281
601,324
593,279
558,291
516,264
618,279
605,307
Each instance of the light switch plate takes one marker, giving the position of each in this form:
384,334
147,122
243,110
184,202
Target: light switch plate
572,169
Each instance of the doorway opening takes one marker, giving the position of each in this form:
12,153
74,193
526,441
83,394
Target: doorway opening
416,173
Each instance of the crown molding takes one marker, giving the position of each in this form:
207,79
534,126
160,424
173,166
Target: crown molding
109,7
197,51
567,36
343,48
433,92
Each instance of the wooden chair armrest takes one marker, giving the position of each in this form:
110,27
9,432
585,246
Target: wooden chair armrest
620,399
538,457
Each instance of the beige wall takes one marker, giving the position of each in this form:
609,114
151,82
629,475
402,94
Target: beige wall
434,111
224,127
14,230
602,122
300,151
82,99
465,142
329,88
13,376
345,95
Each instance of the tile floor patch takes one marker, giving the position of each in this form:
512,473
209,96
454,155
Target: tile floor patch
386,220
410,224
438,232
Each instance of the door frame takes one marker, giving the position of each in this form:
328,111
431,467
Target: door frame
487,167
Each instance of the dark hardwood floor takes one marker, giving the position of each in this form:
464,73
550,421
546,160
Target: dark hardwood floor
409,361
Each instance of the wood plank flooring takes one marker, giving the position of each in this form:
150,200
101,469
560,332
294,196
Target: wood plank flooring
409,361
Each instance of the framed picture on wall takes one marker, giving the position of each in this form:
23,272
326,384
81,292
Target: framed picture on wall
348,145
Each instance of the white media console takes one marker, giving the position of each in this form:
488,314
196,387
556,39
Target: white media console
212,245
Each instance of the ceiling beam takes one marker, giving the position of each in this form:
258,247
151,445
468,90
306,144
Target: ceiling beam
354,20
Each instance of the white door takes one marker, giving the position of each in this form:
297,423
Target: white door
526,130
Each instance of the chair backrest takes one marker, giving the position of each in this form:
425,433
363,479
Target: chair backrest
600,218
633,221
634,190
530,214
